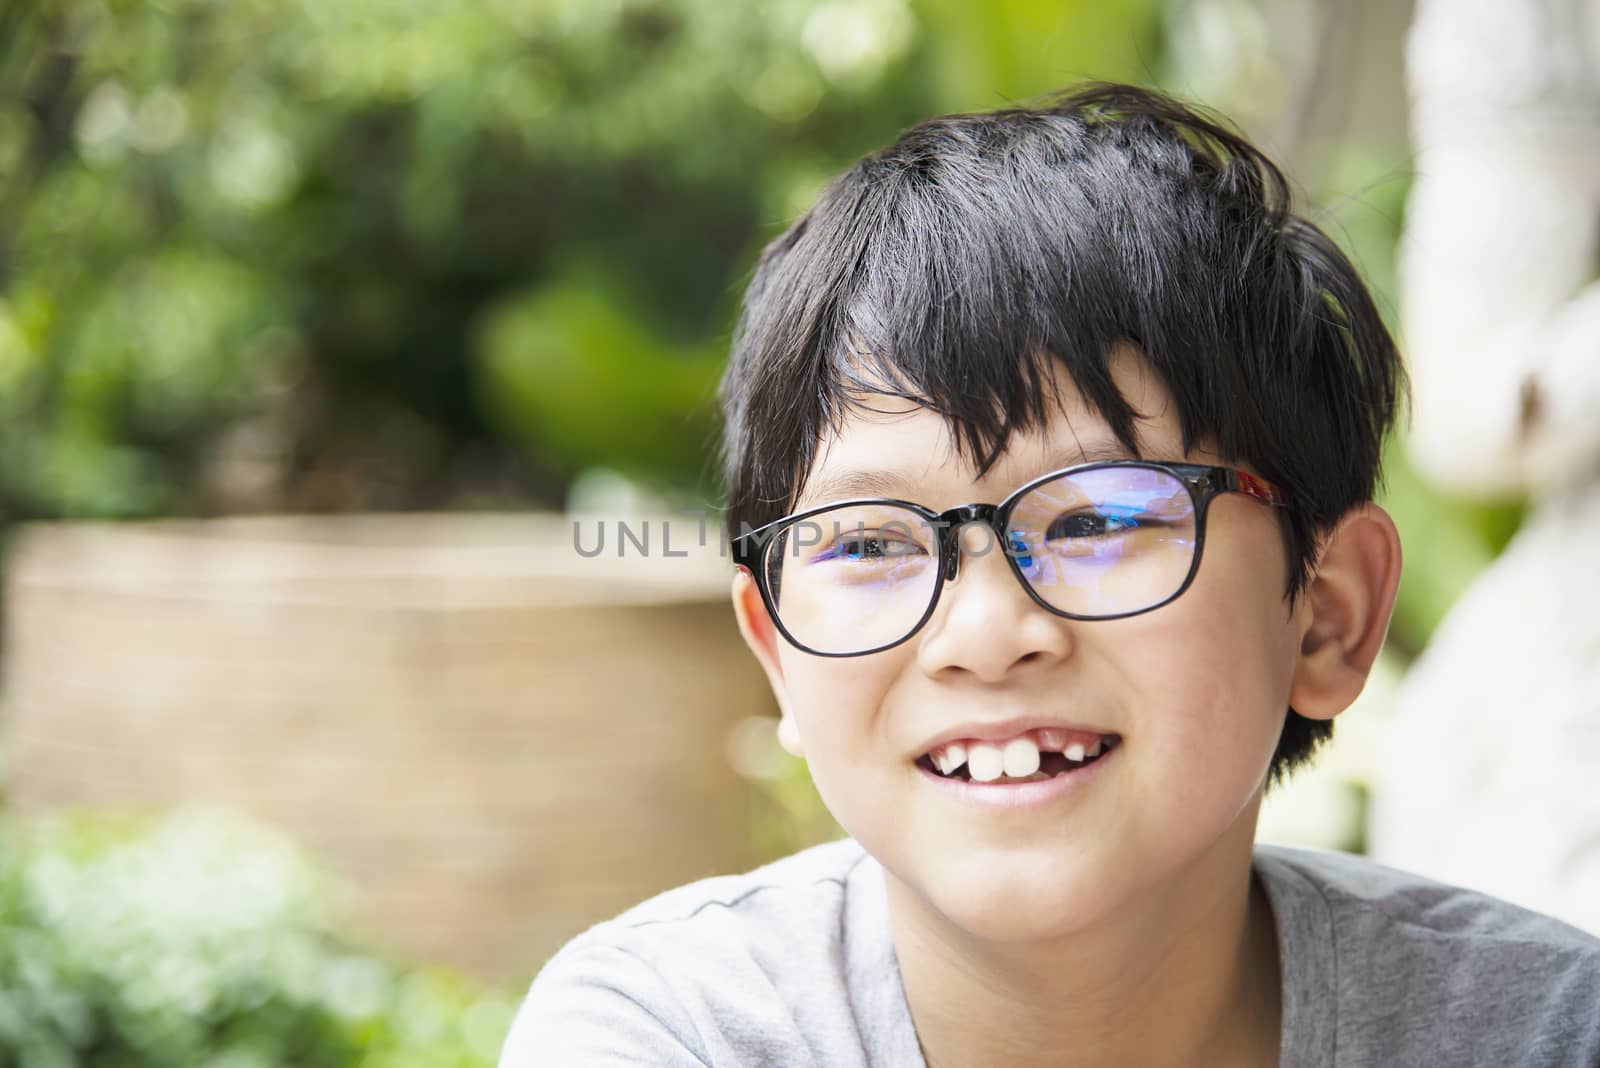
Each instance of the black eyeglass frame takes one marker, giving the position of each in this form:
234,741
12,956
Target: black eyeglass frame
1203,482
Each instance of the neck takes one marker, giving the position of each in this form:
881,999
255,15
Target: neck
1185,975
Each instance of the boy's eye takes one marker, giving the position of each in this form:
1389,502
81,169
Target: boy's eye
1090,524
869,548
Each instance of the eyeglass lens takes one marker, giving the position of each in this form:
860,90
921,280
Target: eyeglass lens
1100,542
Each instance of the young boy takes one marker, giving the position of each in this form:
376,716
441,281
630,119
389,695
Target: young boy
1051,443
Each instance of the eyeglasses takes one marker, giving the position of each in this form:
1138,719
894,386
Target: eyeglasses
1097,541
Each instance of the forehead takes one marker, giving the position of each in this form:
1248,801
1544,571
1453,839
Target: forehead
889,447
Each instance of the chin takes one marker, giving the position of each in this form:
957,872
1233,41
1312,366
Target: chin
999,904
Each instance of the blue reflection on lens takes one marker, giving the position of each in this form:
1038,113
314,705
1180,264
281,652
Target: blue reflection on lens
1019,549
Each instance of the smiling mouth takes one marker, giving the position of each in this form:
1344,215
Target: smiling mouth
1013,763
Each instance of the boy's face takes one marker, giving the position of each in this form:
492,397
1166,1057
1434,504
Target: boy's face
1196,690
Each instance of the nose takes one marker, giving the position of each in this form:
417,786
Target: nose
986,624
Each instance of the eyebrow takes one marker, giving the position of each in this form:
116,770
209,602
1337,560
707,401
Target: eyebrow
851,483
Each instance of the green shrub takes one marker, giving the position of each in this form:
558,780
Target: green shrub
203,941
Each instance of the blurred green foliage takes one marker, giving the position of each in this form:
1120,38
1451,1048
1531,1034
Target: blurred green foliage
1446,542
415,253
203,939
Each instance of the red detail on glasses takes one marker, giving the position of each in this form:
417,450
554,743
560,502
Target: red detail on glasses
1260,489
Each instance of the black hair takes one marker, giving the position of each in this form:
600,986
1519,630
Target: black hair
968,262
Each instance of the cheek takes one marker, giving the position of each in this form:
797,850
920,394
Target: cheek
853,746
1210,686
835,704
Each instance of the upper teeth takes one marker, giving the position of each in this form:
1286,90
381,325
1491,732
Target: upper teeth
1017,758
947,758
1021,757
986,763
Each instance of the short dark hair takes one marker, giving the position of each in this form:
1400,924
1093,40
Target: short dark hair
966,263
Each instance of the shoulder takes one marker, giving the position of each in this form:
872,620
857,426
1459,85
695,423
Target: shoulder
1411,960
725,970
1361,891
805,884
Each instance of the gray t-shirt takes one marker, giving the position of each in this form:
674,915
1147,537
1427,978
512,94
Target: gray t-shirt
793,965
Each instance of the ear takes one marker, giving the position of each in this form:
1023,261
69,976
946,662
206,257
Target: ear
1345,612
761,635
